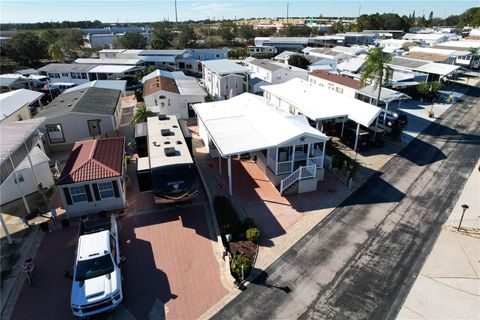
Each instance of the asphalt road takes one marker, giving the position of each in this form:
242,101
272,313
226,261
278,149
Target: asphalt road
361,261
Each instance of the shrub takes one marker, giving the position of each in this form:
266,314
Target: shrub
249,223
139,95
253,234
236,265
227,217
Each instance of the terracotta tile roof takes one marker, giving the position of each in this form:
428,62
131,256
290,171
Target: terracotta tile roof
93,160
159,83
427,56
345,81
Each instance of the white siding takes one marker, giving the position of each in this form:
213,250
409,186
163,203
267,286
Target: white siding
94,206
10,191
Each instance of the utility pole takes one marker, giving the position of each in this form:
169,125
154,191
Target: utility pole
287,11
176,17
359,9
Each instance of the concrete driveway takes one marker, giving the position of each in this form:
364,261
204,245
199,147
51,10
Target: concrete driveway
170,271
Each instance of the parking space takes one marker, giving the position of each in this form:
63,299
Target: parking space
170,270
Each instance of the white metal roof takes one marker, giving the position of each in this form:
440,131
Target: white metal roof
386,95
461,44
112,61
158,58
167,74
36,155
15,133
352,65
189,87
438,68
14,100
319,103
105,84
7,80
224,66
247,123
111,69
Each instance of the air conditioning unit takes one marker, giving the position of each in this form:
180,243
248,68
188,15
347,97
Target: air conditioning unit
170,152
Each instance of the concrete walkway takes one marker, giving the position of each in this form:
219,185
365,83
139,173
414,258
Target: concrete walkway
448,286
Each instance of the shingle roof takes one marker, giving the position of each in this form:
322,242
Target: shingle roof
159,83
345,81
89,100
94,160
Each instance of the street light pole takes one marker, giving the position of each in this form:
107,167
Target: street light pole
465,207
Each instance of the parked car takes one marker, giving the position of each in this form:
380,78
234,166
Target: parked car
390,119
97,279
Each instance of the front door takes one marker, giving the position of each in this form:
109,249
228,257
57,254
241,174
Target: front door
94,127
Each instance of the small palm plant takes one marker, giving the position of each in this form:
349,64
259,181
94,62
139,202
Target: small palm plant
429,90
142,113
55,52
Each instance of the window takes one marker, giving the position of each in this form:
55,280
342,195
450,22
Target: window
113,247
73,75
78,194
84,76
339,90
20,178
106,190
64,74
55,133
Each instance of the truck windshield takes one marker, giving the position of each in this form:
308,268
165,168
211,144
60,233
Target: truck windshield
92,268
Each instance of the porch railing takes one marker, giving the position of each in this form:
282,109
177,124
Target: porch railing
315,161
304,172
284,167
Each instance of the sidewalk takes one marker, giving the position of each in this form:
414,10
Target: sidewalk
448,286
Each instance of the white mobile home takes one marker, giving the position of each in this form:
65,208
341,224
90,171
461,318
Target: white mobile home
80,114
224,79
15,105
172,93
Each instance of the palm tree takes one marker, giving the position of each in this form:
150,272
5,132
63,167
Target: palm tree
376,71
429,90
56,52
142,113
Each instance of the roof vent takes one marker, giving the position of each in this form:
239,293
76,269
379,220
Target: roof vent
178,142
166,132
174,126
162,117
170,152
166,142
69,105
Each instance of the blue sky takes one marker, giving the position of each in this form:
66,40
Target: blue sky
156,10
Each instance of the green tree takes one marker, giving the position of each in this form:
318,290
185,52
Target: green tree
298,60
185,36
429,90
246,32
142,113
150,69
376,71
470,17
26,48
240,265
131,40
71,41
50,36
162,35
55,52
227,31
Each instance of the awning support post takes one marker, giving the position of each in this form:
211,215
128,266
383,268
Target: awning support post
343,126
220,164
356,137
5,229
230,176
376,125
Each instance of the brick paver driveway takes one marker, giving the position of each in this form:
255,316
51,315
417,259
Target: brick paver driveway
170,269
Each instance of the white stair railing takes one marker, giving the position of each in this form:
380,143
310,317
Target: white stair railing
304,172
289,180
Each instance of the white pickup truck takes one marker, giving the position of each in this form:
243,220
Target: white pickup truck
97,279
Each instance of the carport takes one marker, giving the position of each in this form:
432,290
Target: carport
248,124
319,104
18,139
370,93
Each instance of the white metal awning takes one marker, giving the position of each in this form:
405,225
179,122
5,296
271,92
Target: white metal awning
112,69
247,123
319,103
386,95
441,69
